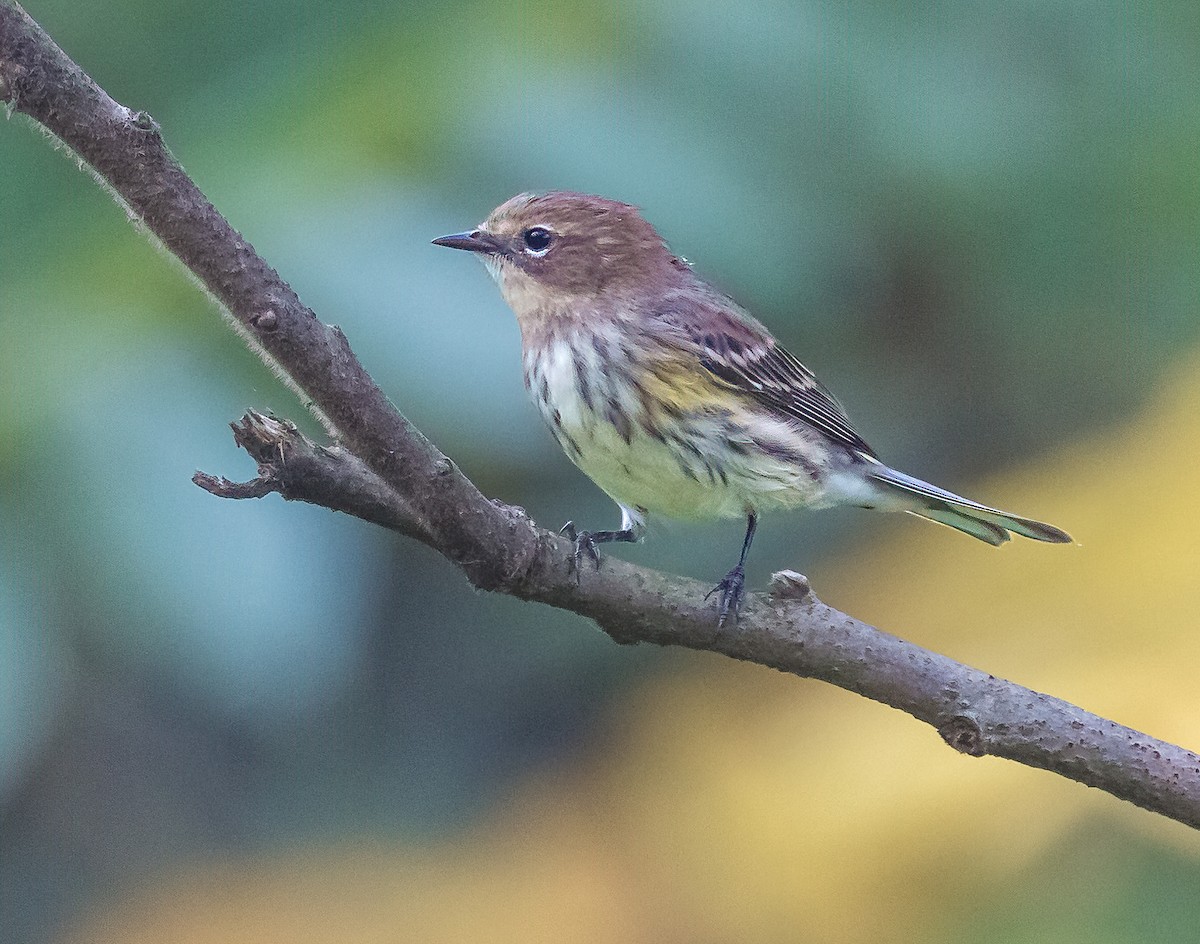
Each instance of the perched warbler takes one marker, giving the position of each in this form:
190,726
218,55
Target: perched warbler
672,398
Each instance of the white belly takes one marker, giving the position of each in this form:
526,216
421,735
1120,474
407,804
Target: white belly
710,464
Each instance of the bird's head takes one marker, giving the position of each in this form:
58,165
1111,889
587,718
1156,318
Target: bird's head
557,253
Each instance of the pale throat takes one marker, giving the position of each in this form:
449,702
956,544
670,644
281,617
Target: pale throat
519,290
538,309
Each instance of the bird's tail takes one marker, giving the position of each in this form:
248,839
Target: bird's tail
979,521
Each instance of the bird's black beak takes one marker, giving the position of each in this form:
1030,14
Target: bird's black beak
475,241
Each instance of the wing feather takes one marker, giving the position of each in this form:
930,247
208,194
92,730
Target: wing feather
741,353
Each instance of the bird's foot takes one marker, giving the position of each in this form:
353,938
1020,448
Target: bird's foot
585,543
732,589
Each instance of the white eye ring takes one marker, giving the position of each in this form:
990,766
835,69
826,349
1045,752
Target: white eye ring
536,241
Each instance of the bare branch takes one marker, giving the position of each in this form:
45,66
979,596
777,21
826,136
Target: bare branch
300,470
385,471
218,485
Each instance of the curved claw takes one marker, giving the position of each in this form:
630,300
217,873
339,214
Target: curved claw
732,589
585,543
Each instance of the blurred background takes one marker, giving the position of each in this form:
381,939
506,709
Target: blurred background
250,721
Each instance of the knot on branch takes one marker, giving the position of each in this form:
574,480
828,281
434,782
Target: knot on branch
964,735
265,321
269,441
790,585
144,122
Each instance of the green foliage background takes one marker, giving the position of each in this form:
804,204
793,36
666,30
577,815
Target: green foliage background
978,222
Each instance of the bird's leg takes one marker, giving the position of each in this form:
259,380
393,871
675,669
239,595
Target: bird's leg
733,585
585,542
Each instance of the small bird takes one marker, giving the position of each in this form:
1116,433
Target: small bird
671,397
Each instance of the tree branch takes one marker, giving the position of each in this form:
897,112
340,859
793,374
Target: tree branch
300,470
383,470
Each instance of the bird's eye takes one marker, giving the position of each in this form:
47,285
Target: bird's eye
537,240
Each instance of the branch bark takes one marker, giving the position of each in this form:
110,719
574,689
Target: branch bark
383,470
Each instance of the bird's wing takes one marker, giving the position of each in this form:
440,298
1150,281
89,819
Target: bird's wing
738,351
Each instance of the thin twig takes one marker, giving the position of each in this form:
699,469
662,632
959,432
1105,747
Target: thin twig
298,469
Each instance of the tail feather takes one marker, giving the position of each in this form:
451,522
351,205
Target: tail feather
988,524
984,530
